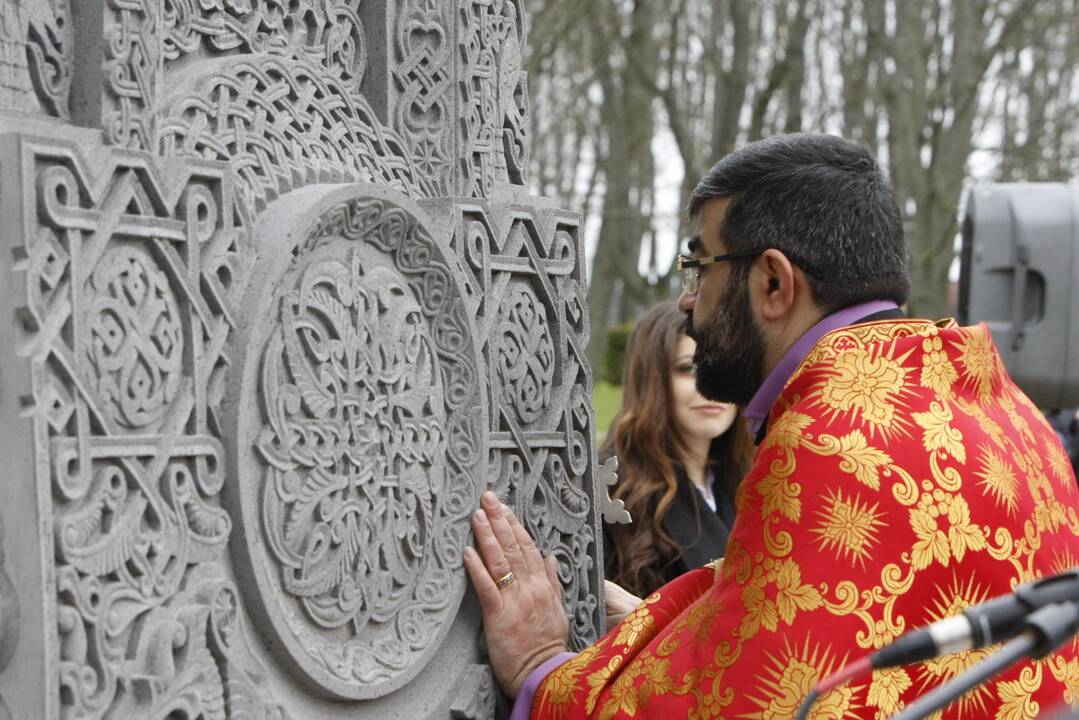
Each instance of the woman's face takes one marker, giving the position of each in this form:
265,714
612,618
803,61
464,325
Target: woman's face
695,417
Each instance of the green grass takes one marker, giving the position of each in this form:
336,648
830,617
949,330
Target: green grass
606,399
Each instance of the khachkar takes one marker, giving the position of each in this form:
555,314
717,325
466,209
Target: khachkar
277,308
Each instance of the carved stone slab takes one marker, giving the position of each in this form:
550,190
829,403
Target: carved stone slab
129,275
36,56
275,309
450,81
524,262
361,416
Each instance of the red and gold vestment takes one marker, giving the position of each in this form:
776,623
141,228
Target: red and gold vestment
903,478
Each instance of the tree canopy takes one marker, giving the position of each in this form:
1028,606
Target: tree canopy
944,91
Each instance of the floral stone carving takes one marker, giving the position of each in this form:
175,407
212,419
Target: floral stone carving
279,307
357,473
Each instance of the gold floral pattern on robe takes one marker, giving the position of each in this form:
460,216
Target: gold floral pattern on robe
903,478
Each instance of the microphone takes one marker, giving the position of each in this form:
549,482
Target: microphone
992,621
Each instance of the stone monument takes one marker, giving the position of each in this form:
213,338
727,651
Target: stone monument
276,307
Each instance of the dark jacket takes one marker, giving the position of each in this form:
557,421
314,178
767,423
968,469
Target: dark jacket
701,533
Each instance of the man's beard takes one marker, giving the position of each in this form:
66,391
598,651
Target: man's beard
730,346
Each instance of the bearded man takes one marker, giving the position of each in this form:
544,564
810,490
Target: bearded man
900,477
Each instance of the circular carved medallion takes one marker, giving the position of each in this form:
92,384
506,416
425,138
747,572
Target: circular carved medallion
365,432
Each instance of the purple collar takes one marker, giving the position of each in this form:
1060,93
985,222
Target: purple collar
756,412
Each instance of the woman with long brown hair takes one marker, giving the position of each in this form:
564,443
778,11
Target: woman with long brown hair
680,458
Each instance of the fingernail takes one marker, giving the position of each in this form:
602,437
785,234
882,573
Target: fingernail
490,499
480,516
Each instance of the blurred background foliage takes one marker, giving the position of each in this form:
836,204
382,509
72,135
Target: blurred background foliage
946,92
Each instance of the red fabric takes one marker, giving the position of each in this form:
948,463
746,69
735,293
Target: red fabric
903,477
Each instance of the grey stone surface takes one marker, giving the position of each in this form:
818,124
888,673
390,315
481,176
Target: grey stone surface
477,698
276,309
9,621
36,56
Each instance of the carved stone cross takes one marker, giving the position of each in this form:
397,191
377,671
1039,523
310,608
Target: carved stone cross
276,307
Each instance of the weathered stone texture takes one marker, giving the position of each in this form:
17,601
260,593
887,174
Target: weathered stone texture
9,621
36,56
278,310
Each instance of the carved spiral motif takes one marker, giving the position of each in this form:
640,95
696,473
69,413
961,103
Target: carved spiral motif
365,443
136,337
526,361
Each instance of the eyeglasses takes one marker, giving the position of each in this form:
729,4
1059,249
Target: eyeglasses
690,268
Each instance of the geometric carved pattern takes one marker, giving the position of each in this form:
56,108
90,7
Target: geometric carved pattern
135,334
524,355
528,267
457,94
281,125
494,96
356,501
422,77
131,280
132,72
35,55
326,34
279,313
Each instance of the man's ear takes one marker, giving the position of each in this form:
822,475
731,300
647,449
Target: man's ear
775,285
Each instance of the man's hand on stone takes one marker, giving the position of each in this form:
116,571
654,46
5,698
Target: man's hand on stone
519,593
618,602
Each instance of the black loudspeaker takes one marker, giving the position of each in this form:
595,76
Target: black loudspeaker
1019,274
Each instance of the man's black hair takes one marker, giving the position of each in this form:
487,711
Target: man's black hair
823,202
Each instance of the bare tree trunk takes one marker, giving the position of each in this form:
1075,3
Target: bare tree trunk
1039,112
629,175
941,54
790,64
796,60
914,84
730,85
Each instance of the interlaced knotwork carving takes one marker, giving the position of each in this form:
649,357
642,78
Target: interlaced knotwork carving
327,34
280,125
354,439
493,104
525,359
35,56
528,272
422,76
298,421
136,340
132,72
128,351
366,450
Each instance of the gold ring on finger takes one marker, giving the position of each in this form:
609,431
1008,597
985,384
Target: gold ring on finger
505,581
